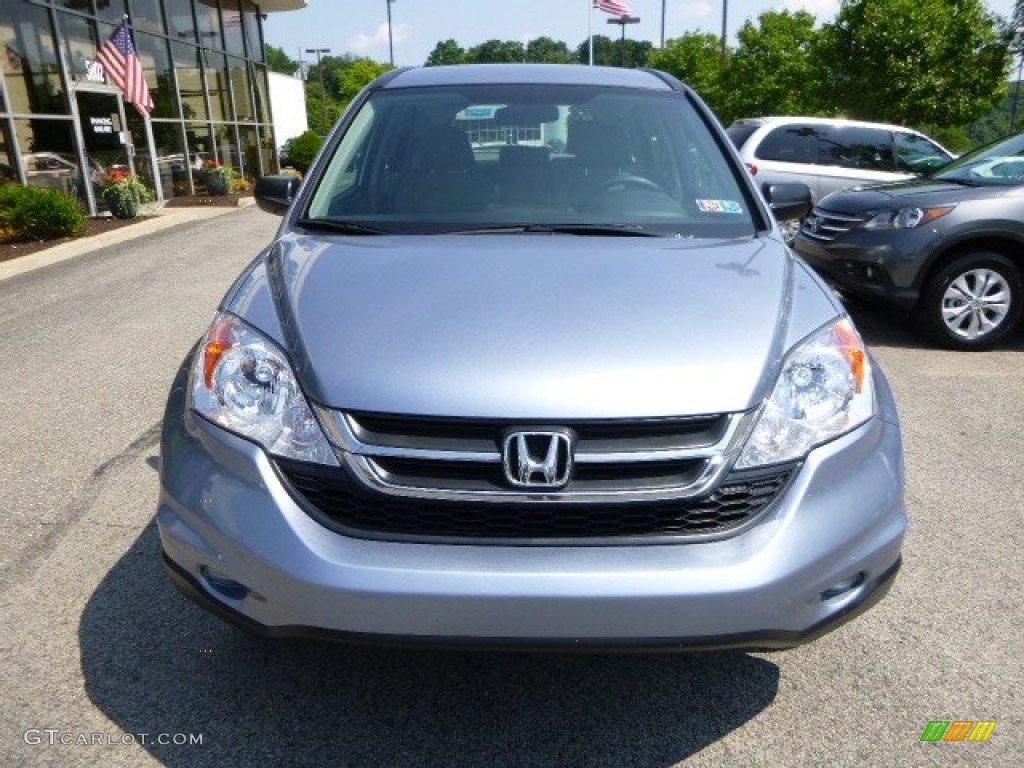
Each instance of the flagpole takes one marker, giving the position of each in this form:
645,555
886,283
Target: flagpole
590,30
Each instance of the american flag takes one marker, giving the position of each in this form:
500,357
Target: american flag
121,63
614,7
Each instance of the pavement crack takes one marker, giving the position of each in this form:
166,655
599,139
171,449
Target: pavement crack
76,508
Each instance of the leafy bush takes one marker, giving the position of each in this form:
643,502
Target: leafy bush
304,149
32,213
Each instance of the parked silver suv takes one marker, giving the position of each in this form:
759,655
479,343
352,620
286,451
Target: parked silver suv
529,364
830,154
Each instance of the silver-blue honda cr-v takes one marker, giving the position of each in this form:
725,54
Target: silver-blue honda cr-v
528,363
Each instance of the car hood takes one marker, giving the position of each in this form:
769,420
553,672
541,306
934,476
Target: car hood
920,192
536,326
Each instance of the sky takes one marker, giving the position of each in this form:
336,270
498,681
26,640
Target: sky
359,27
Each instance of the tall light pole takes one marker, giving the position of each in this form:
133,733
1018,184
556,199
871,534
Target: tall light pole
391,46
725,14
662,23
323,85
622,21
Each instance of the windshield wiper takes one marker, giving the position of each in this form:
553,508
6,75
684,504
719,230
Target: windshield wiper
614,230
341,227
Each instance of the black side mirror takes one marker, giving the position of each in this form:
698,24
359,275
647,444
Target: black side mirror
274,194
791,200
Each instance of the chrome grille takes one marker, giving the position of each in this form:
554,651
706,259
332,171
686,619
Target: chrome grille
339,502
826,225
461,460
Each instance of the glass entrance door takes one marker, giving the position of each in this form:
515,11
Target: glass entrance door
103,130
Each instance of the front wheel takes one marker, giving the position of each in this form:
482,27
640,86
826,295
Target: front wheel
972,302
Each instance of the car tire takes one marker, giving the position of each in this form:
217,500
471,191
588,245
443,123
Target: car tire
972,302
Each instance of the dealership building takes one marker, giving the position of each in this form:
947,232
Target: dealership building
204,66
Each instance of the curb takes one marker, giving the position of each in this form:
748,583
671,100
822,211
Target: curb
165,218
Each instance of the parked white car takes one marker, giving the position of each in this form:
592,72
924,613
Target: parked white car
829,154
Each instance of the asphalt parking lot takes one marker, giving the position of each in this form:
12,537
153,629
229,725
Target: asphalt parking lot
96,642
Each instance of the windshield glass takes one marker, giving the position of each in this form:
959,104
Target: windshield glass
997,165
502,157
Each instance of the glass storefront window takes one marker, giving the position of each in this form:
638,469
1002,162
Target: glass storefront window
110,10
268,152
181,25
48,153
259,78
209,25
231,16
29,60
156,61
199,148
250,144
240,87
251,26
81,43
191,85
219,85
8,170
146,16
173,164
227,146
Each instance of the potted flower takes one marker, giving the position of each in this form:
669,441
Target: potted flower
124,193
220,179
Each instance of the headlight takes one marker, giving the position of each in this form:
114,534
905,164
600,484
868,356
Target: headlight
242,382
823,391
905,218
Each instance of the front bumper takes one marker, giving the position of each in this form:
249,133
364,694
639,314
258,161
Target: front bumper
226,518
866,265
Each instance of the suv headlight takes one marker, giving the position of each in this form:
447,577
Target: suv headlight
905,218
823,391
243,382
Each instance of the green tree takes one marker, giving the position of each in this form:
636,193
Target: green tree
446,52
279,61
303,149
917,62
696,59
546,50
615,53
774,69
496,51
342,77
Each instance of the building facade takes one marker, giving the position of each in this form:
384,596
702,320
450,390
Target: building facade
204,66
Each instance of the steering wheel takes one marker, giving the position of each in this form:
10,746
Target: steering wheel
626,182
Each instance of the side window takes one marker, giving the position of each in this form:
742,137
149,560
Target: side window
917,154
790,144
853,147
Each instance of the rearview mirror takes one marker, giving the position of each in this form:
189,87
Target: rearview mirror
274,194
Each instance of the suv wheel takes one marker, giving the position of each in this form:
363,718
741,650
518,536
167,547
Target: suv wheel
972,302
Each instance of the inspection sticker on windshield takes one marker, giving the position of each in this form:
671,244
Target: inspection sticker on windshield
719,206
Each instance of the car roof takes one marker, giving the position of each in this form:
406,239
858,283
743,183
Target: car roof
526,74
833,121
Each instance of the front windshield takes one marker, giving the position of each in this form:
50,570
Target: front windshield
997,165
507,157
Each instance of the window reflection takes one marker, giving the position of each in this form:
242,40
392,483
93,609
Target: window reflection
190,82
156,62
219,85
240,87
146,16
231,18
29,61
200,150
251,26
181,25
8,172
48,154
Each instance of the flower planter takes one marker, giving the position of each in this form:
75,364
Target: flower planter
123,204
217,184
